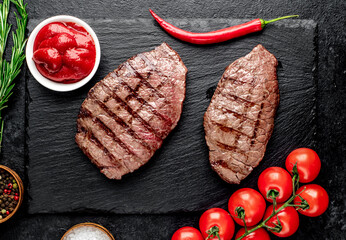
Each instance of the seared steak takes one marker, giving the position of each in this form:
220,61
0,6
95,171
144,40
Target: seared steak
240,118
128,114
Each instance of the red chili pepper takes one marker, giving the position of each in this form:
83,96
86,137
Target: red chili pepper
218,35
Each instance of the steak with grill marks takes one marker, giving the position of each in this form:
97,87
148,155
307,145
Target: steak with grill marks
240,118
128,114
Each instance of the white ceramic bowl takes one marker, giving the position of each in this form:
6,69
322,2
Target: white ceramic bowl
60,87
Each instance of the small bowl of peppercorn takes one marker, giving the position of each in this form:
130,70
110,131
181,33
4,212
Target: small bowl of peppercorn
11,193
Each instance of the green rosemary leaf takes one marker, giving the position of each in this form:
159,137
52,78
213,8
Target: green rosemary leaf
10,70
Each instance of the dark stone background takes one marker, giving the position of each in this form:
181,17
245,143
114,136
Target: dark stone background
331,114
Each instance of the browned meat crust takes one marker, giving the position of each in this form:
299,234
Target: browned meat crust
128,114
240,118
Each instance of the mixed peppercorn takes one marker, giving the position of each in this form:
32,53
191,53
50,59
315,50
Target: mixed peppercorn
9,194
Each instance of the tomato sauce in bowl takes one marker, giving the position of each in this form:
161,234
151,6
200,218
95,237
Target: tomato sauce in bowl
64,52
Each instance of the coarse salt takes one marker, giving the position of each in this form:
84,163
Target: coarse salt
86,233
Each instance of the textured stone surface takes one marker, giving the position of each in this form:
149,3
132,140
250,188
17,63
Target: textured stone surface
178,177
331,112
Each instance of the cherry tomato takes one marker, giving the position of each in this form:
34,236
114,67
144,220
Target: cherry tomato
288,217
259,234
316,197
187,233
218,221
251,201
275,178
308,164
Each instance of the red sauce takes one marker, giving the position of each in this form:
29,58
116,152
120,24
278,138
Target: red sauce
64,52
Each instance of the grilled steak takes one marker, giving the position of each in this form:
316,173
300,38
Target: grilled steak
128,114
240,118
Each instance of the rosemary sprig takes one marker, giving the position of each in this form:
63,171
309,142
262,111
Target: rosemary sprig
10,70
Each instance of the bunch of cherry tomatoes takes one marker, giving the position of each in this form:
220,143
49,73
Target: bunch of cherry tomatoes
247,207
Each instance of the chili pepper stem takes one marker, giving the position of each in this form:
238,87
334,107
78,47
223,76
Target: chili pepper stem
264,23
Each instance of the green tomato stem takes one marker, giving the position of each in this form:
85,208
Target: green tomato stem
274,204
245,224
213,232
240,212
295,181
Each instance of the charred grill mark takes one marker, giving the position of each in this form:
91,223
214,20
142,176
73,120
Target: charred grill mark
154,69
247,104
163,83
133,113
106,167
152,66
133,94
106,99
229,129
164,76
94,140
240,100
128,129
256,125
121,122
237,136
110,133
152,109
239,82
137,87
236,140
83,113
224,164
235,98
87,153
233,149
143,80
230,148
154,91
86,150
238,115
83,130
221,163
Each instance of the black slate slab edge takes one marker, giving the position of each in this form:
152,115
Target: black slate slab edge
178,178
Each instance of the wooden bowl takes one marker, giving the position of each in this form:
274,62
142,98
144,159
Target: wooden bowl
21,191
89,224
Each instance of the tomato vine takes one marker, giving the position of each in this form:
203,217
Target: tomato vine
273,196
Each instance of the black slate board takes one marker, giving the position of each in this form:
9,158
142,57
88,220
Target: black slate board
178,177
